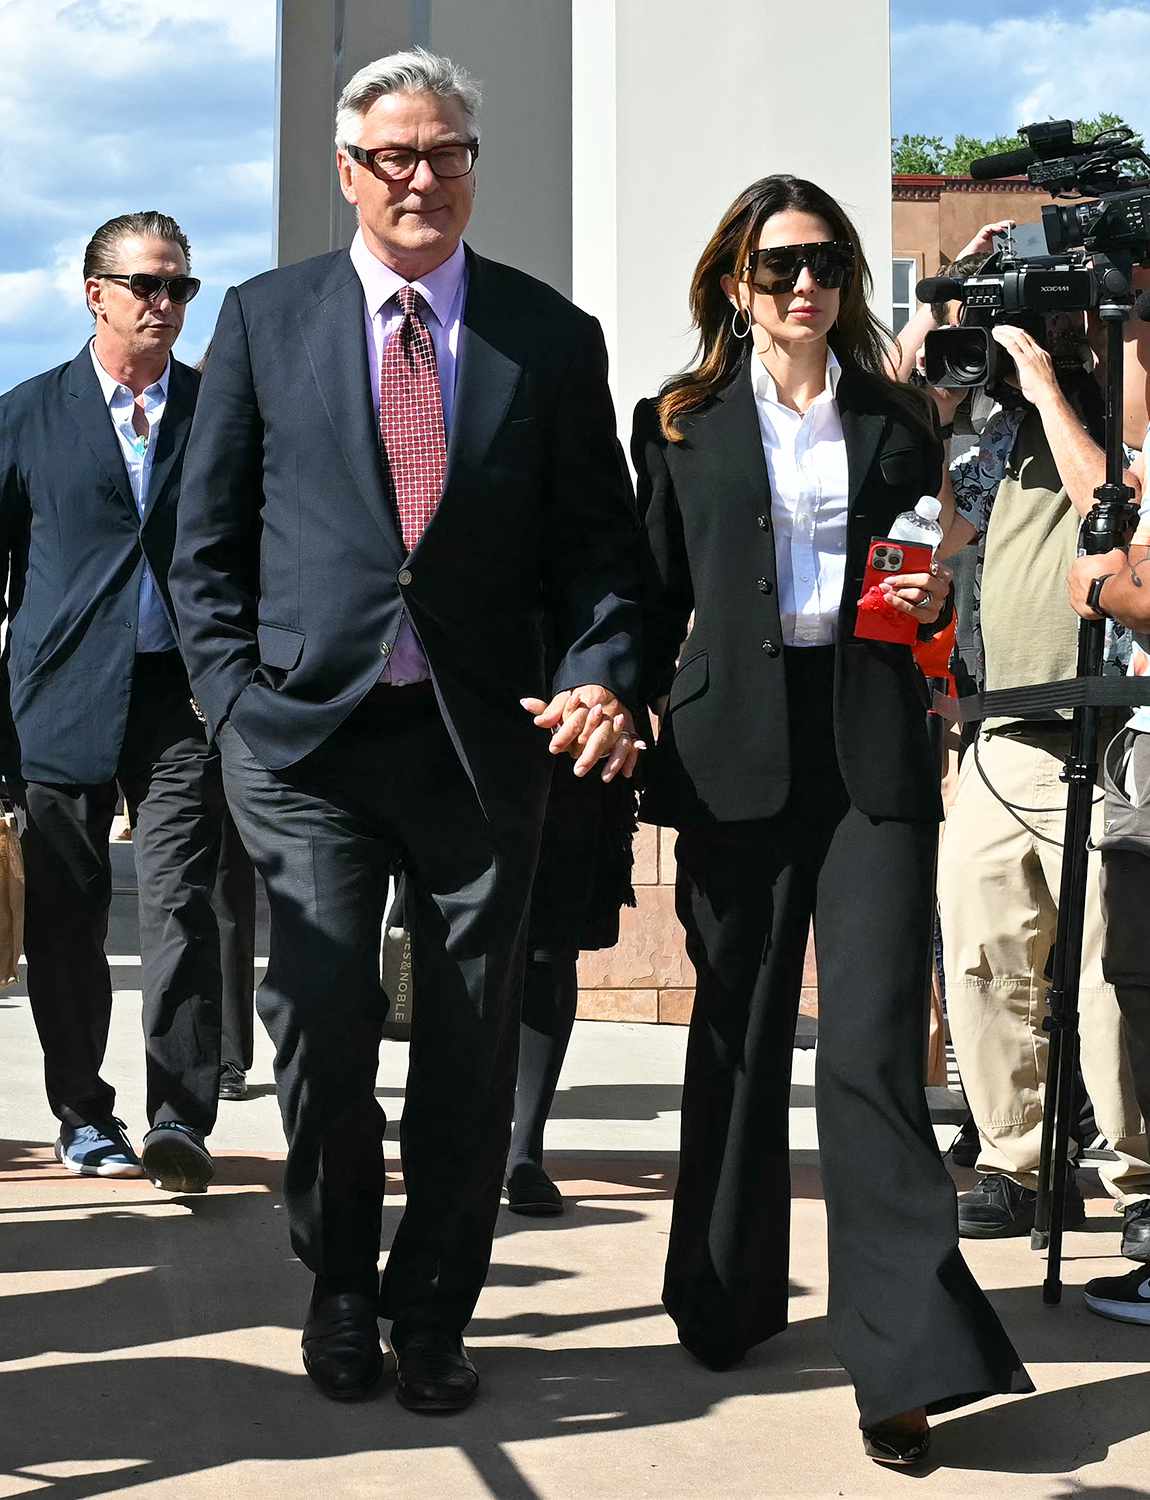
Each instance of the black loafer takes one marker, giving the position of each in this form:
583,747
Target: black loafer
175,1158
341,1349
233,1082
710,1352
1136,1231
896,1447
433,1372
530,1191
999,1209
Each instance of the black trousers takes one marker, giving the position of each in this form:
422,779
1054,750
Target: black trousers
234,901
171,784
906,1318
389,786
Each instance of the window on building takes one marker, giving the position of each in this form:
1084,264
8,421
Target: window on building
905,274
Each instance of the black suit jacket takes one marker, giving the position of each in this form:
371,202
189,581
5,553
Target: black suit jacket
287,573
74,546
724,750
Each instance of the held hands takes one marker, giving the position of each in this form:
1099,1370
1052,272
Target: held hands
1083,572
590,724
922,595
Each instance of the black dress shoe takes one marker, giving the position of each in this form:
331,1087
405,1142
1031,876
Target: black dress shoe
1136,1231
175,1158
341,1348
897,1447
999,1209
433,1371
963,1150
530,1191
233,1082
711,1352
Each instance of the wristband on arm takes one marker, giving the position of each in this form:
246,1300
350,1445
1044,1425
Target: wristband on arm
1094,594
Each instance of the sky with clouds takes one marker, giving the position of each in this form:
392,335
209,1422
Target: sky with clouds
109,105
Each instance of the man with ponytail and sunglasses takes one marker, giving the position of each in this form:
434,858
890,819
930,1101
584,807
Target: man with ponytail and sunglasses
97,703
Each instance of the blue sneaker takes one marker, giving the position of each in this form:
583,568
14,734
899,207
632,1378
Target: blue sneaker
97,1150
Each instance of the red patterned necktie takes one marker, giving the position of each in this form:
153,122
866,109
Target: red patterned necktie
411,419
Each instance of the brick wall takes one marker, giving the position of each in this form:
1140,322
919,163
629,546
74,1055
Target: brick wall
647,976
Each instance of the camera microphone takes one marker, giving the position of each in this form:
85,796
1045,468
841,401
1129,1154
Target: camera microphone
939,289
1003,164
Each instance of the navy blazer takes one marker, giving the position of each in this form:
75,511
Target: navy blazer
290,577
73,545
724,749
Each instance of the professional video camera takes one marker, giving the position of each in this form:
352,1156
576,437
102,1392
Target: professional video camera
1092,249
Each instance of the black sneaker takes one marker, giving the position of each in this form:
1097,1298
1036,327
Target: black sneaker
999,1209
1126,1299
1136,1230
233,1082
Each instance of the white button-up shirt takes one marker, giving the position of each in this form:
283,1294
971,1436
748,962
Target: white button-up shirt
153,632
807,463
443,291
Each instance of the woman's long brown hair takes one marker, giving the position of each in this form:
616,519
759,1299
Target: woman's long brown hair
858,338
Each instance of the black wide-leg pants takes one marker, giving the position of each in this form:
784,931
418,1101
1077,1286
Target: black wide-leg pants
388,786
170,779
906,1317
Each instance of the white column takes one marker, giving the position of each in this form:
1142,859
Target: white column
678,106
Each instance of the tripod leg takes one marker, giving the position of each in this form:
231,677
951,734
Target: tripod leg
1040,1234
1052,1286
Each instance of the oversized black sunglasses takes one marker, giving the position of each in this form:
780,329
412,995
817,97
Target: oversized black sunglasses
147,288
777,270
398,163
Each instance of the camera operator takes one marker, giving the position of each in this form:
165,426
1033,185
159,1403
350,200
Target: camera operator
1116,586
1000,867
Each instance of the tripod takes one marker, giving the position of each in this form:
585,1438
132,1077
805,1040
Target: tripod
1109,524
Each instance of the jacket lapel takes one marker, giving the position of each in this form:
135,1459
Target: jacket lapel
735,440
862,431
90,412
173,435
486,376
333,331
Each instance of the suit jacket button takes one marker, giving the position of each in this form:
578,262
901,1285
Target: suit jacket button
765,586
764,522
405,576
385,649
772,648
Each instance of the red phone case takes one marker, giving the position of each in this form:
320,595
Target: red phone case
876,620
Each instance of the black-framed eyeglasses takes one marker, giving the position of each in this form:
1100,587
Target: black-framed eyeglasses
776,270
146,287
398,164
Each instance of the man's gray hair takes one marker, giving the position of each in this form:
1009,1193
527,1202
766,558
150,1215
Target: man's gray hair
414,72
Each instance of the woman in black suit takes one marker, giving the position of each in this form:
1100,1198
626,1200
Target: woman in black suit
794,760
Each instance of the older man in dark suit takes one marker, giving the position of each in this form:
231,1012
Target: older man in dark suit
404,459
99,700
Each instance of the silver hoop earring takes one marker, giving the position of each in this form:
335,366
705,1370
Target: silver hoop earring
734,321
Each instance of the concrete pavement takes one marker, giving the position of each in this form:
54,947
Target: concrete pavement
150,1346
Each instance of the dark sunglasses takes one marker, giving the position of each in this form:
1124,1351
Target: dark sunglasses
147,288
777,270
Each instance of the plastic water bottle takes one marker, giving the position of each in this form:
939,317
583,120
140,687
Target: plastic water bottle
919,525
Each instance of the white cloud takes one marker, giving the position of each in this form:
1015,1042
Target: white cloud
954,76
112,105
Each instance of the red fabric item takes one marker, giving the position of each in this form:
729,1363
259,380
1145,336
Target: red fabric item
933,655
411,428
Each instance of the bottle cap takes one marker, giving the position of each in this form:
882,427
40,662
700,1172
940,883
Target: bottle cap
929,508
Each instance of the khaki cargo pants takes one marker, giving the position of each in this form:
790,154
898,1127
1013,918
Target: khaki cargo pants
998,902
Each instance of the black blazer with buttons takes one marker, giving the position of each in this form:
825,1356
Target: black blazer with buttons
291,578
723,751
74,545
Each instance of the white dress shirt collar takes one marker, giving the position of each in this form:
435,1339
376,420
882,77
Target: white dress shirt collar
766,390
111,387
439,288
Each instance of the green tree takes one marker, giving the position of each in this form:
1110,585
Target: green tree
932,155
